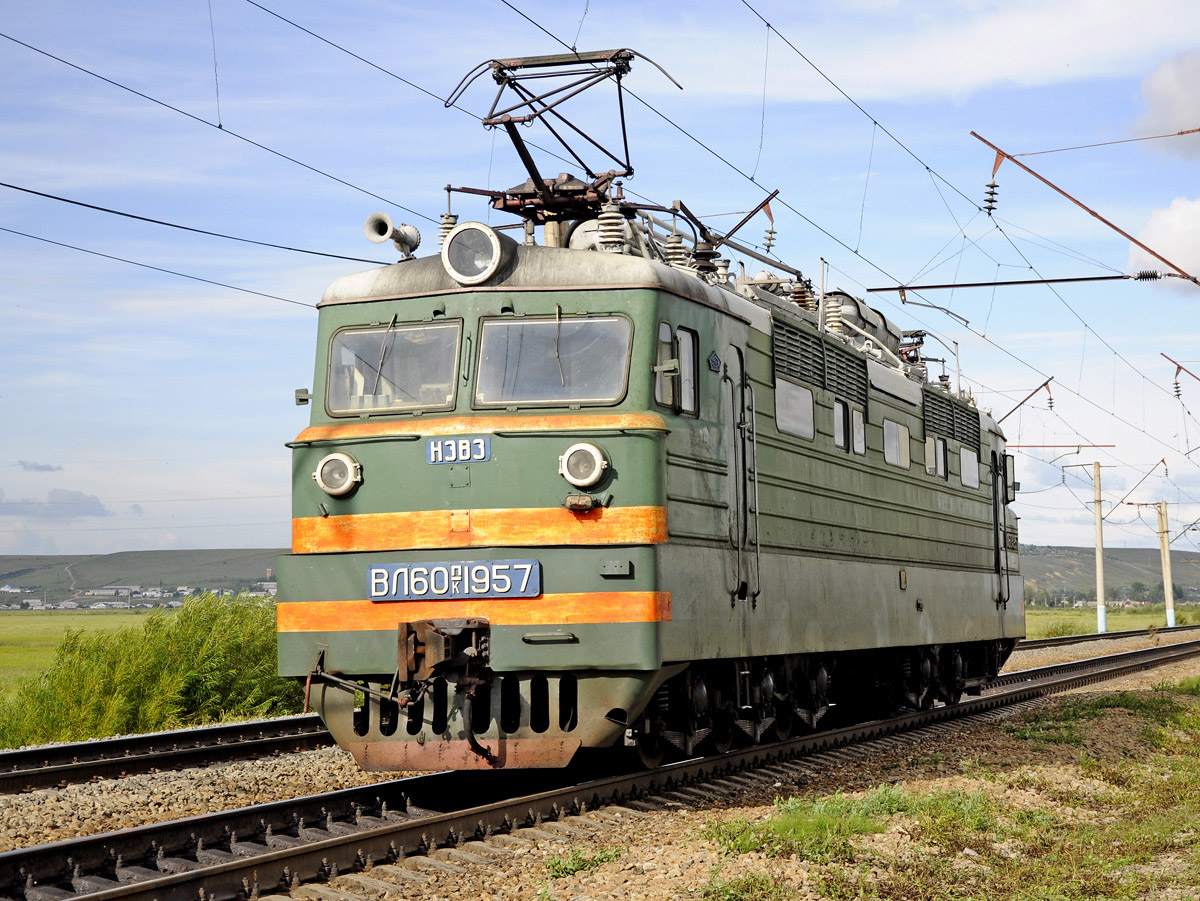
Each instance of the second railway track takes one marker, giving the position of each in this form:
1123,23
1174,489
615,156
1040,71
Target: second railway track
257,850
51,765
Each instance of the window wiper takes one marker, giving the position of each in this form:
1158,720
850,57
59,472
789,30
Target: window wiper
383,349
557,332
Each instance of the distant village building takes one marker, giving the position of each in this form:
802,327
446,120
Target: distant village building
10,589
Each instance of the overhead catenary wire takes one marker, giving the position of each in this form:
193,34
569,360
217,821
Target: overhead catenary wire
1173,134
203,121
196,278
398,77
187,228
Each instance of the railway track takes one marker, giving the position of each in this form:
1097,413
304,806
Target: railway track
56,765
1031,644
255,851
53,765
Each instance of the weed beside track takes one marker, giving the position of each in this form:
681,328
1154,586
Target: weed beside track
213,659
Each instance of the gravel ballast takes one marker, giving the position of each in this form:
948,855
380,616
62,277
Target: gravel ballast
50,815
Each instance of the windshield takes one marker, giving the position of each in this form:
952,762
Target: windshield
553,360
389,369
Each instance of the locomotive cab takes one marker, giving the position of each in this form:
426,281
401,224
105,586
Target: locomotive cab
477,505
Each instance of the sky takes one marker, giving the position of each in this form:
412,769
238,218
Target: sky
148,408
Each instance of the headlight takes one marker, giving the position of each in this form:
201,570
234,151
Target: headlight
337,474
471,253
582,465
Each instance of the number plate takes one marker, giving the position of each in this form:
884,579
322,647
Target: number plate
446,581
458,450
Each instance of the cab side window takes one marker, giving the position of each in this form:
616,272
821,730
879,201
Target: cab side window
689,394
664,383
677,387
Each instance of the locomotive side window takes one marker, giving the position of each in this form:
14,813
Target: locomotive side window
686,341
553,360
895,444
969,463
936,457
794,409
841,430
858,431
393,369
664,383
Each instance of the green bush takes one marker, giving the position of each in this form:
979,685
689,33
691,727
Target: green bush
211,660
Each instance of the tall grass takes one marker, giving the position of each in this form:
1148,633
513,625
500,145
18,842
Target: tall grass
210,660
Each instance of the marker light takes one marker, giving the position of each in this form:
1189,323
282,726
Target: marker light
337,474
472,253
582,465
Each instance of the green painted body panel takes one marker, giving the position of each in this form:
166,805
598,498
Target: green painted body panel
844,551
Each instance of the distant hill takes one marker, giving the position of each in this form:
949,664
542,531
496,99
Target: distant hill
216,570
1054,569
1070,569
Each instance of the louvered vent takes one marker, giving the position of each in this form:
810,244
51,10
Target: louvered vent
846,375
939,415
950,420
966,426
797,354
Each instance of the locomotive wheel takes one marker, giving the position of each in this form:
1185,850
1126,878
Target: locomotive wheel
721,737
784,726
952,677
650,750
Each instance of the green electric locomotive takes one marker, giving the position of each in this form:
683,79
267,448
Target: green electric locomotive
597,491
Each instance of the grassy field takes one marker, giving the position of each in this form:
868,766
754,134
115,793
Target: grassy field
1053,623
28,638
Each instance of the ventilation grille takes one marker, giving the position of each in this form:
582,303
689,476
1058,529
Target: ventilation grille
846,374
799,356
950,420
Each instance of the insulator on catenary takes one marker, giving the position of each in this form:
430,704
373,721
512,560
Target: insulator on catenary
1147,275
769,240
1178,390
989,203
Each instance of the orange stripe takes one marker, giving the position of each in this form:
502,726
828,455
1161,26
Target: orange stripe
470,425
548,610
493,527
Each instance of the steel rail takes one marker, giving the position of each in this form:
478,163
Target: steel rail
1030,644
52,765
55,765
256,850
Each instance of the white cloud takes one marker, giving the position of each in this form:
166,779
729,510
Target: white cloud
1174,233
949,50
1173,104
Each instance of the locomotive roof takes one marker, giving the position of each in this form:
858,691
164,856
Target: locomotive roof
536,268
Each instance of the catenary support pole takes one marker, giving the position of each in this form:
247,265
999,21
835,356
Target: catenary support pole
1101,609
1165,542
